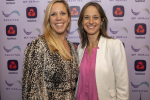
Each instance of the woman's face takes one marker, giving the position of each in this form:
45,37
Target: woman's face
91,21
59,18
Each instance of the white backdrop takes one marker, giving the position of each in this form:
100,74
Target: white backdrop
21,22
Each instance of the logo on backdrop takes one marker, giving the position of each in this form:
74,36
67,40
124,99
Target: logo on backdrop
12,65
136,50
75,11
140,65
31,12
143,10
139,0
31,1
11,30
76,44
70,33
10,2
28,43
115,32
139,14
36,29
118,11
13,12
11,85
29,33
71,36
15,47
143,83
140,29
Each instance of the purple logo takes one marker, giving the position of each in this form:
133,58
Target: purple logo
28,33
140,29
31,1
11,84
12,65
115,32
140,65
7,15
137,13
9,50
11,30
70,33
118,11
31,12
75,11
136,86
136,50
28,43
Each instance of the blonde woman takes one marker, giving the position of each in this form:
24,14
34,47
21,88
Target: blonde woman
50,66
103,67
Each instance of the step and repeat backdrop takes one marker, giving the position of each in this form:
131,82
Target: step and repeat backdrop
21,22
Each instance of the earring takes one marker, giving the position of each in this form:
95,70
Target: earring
68,28
101,27
81,27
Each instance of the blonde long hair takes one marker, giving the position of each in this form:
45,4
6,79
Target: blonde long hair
53,41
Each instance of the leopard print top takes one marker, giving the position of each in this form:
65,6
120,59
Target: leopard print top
46,76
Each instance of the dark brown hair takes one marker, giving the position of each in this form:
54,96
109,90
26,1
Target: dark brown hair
103,31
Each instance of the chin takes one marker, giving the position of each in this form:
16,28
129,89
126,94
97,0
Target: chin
60,32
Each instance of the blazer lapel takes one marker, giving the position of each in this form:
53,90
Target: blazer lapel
101,68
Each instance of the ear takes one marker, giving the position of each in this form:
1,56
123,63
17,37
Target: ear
69,20
102,20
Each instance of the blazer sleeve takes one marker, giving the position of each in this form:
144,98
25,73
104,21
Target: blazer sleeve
120,70
30,63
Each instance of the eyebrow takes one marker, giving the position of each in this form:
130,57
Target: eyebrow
88,15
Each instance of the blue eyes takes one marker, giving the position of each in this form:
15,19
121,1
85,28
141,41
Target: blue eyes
53,14
62,13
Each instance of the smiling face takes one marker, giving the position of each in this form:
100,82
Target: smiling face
91,21
59,18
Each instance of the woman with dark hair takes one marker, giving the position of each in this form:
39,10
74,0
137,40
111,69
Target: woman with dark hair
50,66
103,66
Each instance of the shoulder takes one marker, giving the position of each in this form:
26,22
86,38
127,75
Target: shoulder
114,42
79,48
37,43
72,45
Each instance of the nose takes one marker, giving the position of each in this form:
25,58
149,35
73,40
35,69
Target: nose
58,17
91,20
